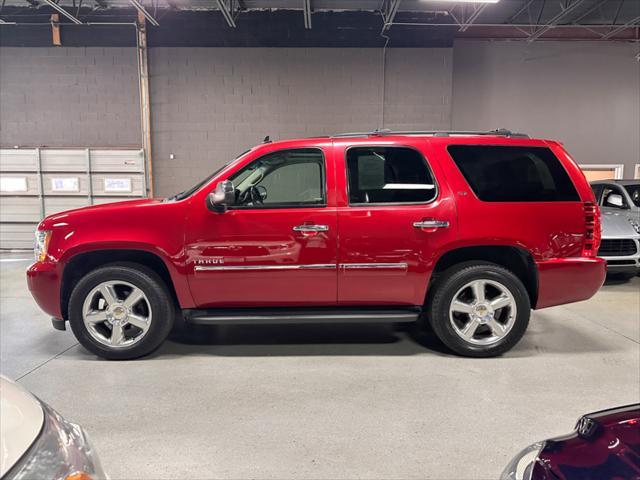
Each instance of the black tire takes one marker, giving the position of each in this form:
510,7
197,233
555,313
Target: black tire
455,278
159,299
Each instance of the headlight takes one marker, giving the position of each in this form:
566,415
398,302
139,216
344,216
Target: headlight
635,225
42,244
521,467
61,452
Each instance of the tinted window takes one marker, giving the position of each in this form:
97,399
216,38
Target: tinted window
388,175
514,174
597,192
634,193
284,178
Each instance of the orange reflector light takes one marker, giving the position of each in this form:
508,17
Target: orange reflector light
79,476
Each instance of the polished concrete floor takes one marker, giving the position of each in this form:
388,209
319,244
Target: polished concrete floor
317,402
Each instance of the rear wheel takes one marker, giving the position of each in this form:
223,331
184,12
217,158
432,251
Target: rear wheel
121,311
479,309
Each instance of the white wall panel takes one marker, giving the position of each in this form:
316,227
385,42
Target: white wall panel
55,180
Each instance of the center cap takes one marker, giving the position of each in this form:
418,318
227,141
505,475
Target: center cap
482,312
119,312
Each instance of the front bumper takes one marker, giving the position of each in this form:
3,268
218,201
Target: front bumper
44,280
623,263
567,280
62,451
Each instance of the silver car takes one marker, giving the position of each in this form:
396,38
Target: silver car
36,443
619,202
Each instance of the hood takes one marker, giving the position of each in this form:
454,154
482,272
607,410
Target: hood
113,206
618,223
21,419
604,445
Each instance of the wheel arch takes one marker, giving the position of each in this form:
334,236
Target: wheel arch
82,263
516,259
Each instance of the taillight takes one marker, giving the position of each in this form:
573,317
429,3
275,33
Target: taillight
592,232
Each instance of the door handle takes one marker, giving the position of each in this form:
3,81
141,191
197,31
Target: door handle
311,228
431,224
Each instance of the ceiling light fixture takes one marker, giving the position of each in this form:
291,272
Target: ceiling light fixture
462,1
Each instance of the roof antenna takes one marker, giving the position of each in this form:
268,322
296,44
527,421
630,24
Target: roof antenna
266,139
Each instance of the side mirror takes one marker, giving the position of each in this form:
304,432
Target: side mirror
223,196
614,200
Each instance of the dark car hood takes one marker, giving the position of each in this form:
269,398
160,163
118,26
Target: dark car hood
604,446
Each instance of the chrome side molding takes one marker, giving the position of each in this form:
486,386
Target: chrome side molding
239,268
313,266
374,266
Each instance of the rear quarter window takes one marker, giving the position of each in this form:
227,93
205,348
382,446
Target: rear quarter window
513,174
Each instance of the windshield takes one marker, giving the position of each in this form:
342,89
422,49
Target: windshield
634,193
190,191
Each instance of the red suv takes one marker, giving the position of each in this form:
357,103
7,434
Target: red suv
466,231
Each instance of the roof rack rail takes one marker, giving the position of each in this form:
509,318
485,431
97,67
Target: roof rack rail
501,132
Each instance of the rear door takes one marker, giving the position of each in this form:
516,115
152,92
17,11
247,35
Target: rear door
515,193
395,213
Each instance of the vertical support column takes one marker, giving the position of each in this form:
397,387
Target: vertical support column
40,184
89,177
145,103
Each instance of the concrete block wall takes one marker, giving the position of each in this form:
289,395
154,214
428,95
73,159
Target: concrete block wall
210,104
585,94
69,97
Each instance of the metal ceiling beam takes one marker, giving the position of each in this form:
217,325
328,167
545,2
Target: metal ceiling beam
474,16
61,10
226,13
630,24
307,13
394,5
590,11
555,20
144,12
522,9
615,17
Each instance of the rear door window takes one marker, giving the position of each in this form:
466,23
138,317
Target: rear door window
513,174
388,175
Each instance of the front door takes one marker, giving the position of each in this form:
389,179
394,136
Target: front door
276,246
394,221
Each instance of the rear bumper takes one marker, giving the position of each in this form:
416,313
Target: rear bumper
43,279
567,280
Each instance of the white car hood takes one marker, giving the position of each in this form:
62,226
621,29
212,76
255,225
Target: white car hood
21,419
616,223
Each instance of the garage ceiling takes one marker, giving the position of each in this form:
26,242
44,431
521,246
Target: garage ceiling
329,23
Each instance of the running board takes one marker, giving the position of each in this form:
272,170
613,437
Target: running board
286,316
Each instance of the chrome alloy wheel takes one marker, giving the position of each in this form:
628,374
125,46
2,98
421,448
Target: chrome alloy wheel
482,312
117,314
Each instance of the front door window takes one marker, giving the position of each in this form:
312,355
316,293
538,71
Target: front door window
289,178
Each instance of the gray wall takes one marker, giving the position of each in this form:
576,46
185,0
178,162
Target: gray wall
211,104
208,105
69,97
585,94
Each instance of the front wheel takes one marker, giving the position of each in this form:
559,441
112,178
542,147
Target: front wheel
479,309
121,311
